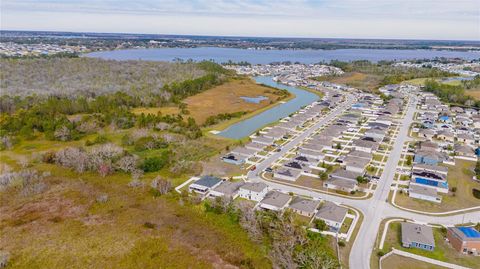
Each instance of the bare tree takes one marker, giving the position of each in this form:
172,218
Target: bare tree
161,185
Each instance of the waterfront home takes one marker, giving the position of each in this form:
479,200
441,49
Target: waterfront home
287,173
465,240
276,133
275,201
244,152
227,189
263,140
332,214
303,206
253,191
204,184
424,193
255,146
417,236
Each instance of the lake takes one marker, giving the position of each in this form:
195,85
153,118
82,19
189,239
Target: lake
221,55
247,127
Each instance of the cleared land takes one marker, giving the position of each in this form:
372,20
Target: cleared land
459,176
443,251
358,80
225,98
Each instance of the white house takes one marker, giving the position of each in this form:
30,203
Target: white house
253,191
275,200
332,214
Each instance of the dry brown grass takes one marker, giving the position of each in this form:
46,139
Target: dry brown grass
66,227
221,99
475,93
358,80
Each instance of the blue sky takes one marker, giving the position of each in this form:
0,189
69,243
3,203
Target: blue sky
418,19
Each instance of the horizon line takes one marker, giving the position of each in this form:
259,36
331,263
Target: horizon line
244,36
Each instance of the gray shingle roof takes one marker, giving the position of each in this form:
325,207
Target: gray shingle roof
422,234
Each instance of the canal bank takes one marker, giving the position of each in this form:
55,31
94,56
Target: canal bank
250,125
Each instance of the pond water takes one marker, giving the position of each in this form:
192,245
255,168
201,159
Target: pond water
255,100
246,127
222,55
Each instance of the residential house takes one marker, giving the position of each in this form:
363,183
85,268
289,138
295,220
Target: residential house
366,145
426,133
275,200
332,214
204,184
430,179
446,135
255,146
417,236
429,157
244,152
287,173
318,156
227,189
424,193
464,150
466,138
253,191
465,240
303,206
263,140
234,159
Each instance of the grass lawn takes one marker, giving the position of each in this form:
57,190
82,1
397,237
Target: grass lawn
443,251
459,176
400,262
346,225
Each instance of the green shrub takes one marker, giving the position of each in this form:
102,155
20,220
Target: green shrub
476,193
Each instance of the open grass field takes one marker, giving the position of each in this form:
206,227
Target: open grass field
222,99
358,80
66,227
459,176
475,93
399,262
443,251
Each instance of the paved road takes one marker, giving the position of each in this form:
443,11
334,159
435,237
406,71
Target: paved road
294,142
376,208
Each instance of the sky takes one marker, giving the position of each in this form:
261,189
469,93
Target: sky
402,19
